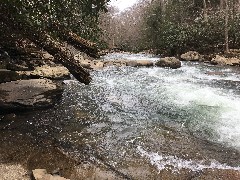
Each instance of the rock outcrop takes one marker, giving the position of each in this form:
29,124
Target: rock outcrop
170,62
191,56
28,94
45,71
220,60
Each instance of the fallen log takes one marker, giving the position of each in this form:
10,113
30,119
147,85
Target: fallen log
63,55
45,41
78,42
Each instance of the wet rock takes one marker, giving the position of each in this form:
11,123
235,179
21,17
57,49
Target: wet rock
28,94
41,174
45,71
138,63
7,76
221,60
171,62
191,56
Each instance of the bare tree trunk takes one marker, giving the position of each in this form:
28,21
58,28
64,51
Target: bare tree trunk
63,55
226,26
205,11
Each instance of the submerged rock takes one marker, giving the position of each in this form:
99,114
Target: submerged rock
221,60
28,94
171,62
191,56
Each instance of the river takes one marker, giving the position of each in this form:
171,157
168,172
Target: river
149,119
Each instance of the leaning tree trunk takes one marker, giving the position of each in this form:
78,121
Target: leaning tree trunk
78,42
54,47
63,55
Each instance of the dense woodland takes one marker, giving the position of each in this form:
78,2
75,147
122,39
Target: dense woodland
174,26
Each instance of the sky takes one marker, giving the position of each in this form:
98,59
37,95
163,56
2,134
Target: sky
122,4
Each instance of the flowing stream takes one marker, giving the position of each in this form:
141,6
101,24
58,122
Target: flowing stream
186,118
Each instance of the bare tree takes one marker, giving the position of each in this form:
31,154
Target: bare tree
226,26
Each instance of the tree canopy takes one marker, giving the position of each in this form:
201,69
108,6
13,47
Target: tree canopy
79,16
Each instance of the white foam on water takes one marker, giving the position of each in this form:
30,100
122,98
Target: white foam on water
164,161
184,90
227,122
130,56
188,87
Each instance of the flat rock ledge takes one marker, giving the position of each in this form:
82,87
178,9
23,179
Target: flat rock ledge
28,94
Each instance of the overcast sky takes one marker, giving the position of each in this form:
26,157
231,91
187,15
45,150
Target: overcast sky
122,4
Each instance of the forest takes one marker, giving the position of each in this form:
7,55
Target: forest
171,27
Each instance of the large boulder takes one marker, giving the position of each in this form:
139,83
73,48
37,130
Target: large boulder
171,62
220,60
191,56
28,94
